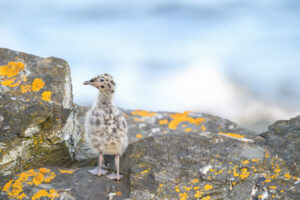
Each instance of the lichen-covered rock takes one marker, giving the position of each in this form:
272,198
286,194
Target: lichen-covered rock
177,156
205,166
142,124
63,184
283,140
38,122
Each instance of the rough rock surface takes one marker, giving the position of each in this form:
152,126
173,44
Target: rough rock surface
179,156
283,139
38,123
58,183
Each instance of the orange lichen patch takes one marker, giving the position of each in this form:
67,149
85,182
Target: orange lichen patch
138,119
277,170
255,160
163,121
14,188
208,187
198,194
267,154
195,181
203,128
145,171
183,196
11,69
26,88
245,162
119,193
138,135
244,173
267,180
46,96
287,176
183,117
37,84
206,198
177,189
235,135
8,82
273,187
183,125
187,188
143,113
188,130
43,193
66,171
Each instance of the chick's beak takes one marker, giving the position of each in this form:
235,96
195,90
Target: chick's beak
86,83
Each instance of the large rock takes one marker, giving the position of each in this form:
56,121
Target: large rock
38,122
177,156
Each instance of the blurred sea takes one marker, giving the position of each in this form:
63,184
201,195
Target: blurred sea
232,58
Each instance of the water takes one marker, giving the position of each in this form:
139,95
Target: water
222,57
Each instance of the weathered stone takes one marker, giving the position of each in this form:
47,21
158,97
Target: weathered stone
38,122
283,140
58,183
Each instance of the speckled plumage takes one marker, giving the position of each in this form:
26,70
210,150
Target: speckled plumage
105,125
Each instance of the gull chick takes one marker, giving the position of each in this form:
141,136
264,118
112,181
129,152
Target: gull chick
105,125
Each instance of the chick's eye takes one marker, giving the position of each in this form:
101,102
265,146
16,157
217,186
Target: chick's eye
101,80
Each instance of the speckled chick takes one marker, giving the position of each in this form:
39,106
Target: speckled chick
105,125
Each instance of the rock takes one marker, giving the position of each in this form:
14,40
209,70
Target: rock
282,140
38,122
204,166
59,183
142,124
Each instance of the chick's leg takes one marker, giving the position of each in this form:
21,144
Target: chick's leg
117,176
98,171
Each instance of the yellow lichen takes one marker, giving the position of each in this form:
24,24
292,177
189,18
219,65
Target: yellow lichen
138,135
198,194
138,119
206,198
66,171
143,113
183,117
244,173
37,84
145,171
188,130
235,135
187,188
46,96
203,128
195,181
14,188
163,121
43,193
208,187
273,187
244,162
183,196
119,194
8,82
11,69
287,176
26,88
